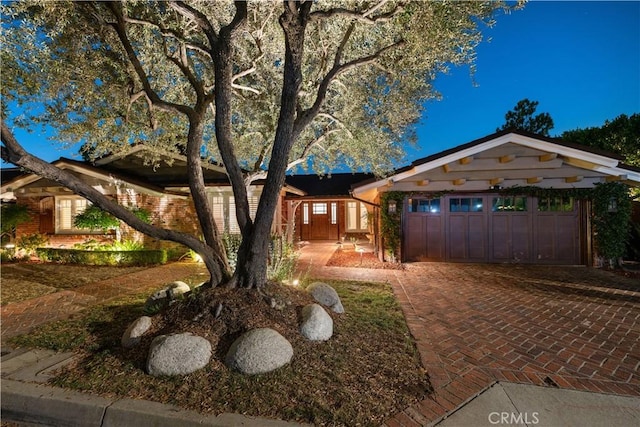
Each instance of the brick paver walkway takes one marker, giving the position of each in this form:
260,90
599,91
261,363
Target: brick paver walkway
475,324
19,318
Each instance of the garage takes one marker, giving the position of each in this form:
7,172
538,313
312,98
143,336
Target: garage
509,197
492,228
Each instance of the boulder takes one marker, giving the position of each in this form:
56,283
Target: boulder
316,325
259,351
177,288
135,331
163,297
326,295
177,354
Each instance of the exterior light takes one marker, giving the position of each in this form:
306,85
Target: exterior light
296,282
9,246
392,206
613,205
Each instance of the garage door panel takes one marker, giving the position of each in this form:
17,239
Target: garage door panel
500,237
520,237
477,237
415,238
434,238
457,242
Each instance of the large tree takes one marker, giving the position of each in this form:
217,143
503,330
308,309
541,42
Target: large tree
523,117
620,135
260,87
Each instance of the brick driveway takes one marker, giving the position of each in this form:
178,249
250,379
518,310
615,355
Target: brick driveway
567,327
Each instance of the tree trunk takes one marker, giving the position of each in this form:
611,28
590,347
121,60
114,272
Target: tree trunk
253,255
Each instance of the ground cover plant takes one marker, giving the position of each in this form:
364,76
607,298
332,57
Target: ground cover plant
369,370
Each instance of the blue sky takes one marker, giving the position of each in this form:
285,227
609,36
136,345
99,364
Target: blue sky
579,60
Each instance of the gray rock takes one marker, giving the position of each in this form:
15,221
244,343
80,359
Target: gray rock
258,351
135,331
177,288
177,354
326,295
163,297
316,325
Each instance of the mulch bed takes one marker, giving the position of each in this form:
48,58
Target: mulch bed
348,257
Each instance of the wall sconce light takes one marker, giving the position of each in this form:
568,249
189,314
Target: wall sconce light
613,205
495,187
392,206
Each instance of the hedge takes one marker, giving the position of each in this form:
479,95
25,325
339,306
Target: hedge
113,258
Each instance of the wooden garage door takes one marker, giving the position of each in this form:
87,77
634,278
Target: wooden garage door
492,228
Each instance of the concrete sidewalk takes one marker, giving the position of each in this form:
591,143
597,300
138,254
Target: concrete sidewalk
529,405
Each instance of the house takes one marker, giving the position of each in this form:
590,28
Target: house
160,187
455,207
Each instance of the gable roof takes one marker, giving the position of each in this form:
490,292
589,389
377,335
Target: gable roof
506,159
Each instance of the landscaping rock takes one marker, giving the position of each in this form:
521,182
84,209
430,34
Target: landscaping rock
163,297
316,325
326,295
178,354
259,351
135,331
177,288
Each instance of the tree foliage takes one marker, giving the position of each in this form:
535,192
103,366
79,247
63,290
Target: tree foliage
260,87
620,135
523,117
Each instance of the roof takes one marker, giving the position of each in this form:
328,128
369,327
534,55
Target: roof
506,159
333,185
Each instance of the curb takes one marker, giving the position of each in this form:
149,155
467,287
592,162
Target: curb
25,399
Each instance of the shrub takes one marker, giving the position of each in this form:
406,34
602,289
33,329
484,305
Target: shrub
29,242
100,257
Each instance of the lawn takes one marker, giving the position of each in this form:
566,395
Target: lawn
369,370
23,281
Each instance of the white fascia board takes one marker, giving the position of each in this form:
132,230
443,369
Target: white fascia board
562,150
142,147
21,182
436,163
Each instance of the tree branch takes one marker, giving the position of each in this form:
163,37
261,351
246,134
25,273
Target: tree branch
121,31
198,17
308,115
357,15
13,152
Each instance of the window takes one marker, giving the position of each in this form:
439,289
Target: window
424,205
509,204
305,213
223,206
66,210
556,204
465,204
334,213
319,208
357,217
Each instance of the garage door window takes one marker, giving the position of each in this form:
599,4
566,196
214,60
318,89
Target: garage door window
465,204
509,204
424,205
556,204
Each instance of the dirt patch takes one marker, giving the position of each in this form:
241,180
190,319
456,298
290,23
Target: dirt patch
349,257
23,281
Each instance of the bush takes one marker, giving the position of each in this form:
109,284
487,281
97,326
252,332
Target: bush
100,257
29,242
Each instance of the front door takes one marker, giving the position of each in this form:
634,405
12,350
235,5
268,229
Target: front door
320,221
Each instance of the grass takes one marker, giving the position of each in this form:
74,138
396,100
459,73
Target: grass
365,373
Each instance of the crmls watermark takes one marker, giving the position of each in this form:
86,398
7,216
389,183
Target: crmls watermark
514,418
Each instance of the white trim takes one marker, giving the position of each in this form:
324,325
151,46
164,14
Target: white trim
601,164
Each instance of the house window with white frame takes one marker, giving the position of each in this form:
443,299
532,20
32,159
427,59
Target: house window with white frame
67,208
357,217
